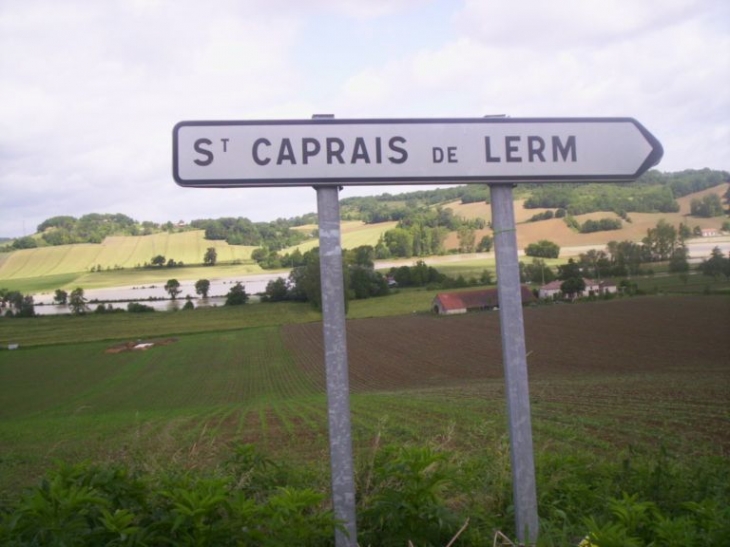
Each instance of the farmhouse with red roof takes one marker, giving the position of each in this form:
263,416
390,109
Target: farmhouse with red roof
448,303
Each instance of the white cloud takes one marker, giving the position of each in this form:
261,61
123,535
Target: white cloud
91,90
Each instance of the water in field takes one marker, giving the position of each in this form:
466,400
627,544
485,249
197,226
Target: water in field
155,295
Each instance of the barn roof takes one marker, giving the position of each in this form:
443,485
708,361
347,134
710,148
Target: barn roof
486,298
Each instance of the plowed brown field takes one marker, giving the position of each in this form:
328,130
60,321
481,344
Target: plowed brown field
635,336
624,372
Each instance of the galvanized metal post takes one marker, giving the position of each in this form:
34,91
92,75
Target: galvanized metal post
335,347
515,363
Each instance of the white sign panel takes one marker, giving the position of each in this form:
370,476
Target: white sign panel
416,151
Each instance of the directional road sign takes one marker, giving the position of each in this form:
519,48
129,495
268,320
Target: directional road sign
322,152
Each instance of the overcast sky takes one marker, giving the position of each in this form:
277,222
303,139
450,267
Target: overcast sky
91,89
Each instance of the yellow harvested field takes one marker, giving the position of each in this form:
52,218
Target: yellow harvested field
117,252
480,209
354,234
556,230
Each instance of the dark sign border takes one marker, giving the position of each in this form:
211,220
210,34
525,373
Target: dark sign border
651,160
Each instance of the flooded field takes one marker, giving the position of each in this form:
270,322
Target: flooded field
156,296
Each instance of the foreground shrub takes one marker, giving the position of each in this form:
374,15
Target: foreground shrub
418,494
87,505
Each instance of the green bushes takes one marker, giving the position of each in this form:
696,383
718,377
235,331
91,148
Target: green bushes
420,494
404,499
90,505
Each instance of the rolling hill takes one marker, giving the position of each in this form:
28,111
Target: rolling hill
66,265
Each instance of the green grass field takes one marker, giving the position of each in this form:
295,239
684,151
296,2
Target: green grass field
608,386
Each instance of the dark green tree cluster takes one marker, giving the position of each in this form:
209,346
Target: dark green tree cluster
172,287
418,275
718,264
422,275
654,192
210,257
546,215
237,295
536,272
590,198
159,261
664,242
372,210
91,228
389,207
422,232
627,257
571,275
600,225
202,287
661,241
272,260
16,304
274,235
304,282
689,181
77,301
543,249
707,207
25,242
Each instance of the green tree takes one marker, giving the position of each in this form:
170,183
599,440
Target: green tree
236,295
173,288
158,260
27,307
678,262
661,240
716,265
26,242
543,249
596,263
365,282
707,207
486,278
399,242
569,270
60,297
276,290
572,286
467,239
210,257
684,232
538,272
486,244
364,255
77,302
202,286
14,299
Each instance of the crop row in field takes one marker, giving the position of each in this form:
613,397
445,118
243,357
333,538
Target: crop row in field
604,376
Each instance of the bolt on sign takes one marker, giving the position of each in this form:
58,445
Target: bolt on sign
410,151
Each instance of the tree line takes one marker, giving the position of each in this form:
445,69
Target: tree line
389,207
94,228
663,243
274,235
654,192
